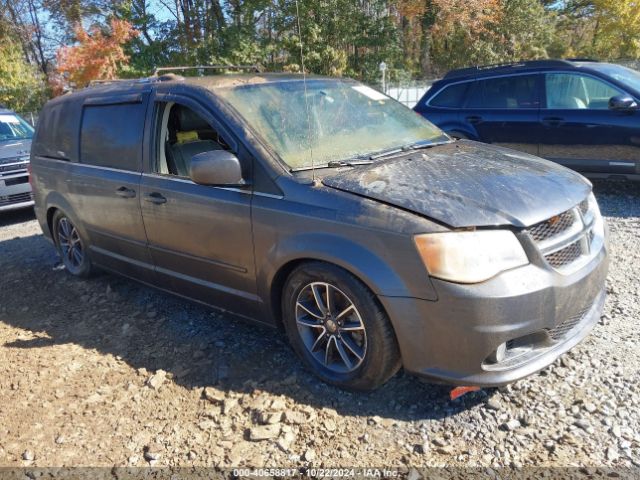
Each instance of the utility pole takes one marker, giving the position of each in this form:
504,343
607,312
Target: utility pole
383,69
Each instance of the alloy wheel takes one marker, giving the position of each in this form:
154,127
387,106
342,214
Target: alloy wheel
331,327
71,246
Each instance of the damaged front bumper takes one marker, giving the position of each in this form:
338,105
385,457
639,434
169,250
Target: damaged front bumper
502,330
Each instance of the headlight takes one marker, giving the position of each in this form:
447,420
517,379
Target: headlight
470,257
594,215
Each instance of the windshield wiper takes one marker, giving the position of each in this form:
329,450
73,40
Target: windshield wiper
347,163
406,148
334,164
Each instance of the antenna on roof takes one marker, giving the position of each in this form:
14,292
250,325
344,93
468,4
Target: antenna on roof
306,100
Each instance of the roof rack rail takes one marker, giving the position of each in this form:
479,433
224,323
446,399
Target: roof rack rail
582,59
94,83
471,71
253,68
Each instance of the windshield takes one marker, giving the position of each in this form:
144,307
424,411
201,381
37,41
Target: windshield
13,127
344,120
622,74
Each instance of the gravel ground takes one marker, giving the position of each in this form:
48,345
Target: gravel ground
107,372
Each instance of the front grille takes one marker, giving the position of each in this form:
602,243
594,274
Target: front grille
553,226
9,160
561,330
16,167
565,256
16,198
565,238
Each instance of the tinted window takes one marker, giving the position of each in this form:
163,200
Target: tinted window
57,131
517,91
112,135
569,91
451,97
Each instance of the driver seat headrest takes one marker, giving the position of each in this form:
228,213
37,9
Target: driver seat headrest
189,121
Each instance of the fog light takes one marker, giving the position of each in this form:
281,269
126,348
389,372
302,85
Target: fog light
499,354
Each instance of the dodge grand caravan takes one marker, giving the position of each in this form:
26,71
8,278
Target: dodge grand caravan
332,211
15,143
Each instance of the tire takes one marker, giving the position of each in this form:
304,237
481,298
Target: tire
72,247
354,347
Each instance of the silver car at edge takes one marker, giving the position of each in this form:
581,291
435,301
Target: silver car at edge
15,144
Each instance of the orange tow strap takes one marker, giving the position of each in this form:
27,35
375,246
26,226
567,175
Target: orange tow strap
459,391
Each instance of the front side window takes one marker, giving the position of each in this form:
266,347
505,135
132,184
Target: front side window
512,92
181,134
451,96
111,135
327,120
570,91
13,128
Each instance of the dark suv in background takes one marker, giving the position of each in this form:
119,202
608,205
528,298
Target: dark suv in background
582,114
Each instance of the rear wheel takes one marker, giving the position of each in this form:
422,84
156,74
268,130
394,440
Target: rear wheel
71,246
338,328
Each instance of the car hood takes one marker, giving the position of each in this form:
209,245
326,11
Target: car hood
14,148
468,184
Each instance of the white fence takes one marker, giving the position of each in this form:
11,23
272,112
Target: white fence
408,93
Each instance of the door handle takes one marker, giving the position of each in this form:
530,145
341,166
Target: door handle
553,121
125,192
155,197
474,119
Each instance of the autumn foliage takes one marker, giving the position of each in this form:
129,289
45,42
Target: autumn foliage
97,56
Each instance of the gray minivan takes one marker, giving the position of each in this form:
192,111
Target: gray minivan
321,206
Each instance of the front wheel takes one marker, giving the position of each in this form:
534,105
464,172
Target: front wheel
338,328
72,248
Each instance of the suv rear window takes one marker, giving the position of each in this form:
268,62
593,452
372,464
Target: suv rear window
111,135
451,96
516,91
57,132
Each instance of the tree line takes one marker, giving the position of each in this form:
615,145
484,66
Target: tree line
48,46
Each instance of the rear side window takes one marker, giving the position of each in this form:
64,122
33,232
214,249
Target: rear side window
111,135
517,91
451,96
57,131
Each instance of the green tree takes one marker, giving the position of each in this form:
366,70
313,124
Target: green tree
617,32
22,85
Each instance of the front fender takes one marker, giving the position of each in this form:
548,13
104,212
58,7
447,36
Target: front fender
365,264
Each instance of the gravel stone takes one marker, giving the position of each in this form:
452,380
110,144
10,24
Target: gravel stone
511,425
264,432
156,380
309,455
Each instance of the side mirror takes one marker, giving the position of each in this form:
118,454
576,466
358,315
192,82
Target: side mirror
216,167
623,103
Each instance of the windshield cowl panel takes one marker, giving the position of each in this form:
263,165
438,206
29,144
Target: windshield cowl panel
328,121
